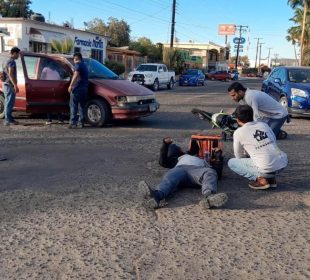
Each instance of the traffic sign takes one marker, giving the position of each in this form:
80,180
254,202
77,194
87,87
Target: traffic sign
240,40
240,46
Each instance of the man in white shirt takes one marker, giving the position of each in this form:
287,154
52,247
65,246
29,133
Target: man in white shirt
257,140
265,108
187,170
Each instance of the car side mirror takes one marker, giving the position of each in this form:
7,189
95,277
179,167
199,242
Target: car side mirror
278,81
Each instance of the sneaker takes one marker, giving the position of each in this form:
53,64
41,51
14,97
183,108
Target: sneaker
213,201
148,193
72,126
48,122
80,125
6,124
260,184
272,182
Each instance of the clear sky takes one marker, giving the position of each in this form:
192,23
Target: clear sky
196,20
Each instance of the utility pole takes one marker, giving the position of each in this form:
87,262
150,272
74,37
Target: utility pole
268,61
260,52
276,55
257,50
238,46
172,23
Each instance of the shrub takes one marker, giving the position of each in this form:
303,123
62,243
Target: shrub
117,68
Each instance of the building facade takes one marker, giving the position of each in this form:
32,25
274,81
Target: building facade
37,36
207,56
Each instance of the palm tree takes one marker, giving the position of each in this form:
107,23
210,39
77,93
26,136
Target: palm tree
305,4
64,46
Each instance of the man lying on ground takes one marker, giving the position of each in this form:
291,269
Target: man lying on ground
187,169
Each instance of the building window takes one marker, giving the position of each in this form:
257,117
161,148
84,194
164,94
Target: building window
38,47
97,54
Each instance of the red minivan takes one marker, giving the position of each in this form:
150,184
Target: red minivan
109,97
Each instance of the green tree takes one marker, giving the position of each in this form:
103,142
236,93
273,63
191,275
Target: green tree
147,48
303,5
244,60
117,30
15,8
64,46
97,25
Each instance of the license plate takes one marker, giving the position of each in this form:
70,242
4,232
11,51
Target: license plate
152,107
138,82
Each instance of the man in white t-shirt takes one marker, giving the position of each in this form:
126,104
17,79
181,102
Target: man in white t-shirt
256,140
265,108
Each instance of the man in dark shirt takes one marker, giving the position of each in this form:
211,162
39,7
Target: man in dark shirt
10,87
78,91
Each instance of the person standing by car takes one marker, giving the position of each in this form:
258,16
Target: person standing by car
256,140
78,91
265,108
10,88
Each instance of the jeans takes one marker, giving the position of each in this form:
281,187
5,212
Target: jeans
246,168
190,176
78,98
9,94
276,124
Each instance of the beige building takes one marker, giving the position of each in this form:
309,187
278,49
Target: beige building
208,56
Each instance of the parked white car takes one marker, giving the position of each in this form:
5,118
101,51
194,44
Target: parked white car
153,75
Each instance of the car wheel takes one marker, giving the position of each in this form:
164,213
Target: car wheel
1,106
98,112
155,86
283,102
171,84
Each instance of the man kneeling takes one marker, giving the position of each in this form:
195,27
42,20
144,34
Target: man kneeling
187,170
256,140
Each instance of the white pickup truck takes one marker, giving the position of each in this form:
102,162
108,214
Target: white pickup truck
153,75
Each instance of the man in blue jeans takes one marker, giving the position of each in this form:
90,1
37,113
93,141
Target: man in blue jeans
257,156
265,108
186,170
10,88
78,90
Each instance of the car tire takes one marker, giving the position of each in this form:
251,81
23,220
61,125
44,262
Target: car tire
283,101
171,84
98,112
155,86
1,106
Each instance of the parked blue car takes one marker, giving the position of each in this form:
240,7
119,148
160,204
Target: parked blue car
192,77
291,87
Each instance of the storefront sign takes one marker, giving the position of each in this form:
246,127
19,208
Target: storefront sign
95,43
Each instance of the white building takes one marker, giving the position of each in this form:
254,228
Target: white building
36,36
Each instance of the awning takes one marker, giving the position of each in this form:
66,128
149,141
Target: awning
44,36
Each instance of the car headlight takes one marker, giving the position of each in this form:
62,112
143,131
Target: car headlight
298,92
129,76
148,75
121,99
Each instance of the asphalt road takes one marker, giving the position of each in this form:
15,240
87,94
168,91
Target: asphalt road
69,207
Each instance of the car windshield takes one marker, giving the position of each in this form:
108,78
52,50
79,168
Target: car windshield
146,67
191,72
97,70
299,75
